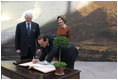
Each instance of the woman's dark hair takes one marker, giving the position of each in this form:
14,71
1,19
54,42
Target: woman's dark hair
44,37
62,17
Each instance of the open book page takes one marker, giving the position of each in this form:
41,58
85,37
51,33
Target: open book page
39,67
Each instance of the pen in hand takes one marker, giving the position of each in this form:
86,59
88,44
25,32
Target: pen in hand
34,60
33,57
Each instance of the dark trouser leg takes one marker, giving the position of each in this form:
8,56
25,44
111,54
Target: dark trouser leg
70,61
70,64
22,57
29,55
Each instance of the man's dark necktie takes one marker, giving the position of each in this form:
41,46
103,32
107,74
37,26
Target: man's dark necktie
28,30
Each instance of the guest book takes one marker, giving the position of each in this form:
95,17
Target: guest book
43,68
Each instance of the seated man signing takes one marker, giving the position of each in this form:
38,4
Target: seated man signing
48,49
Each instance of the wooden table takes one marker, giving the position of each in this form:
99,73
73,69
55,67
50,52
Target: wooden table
17,72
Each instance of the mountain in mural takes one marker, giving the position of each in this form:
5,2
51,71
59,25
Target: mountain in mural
95,23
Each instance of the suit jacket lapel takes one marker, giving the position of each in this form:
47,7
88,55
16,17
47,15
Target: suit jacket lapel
25,28
31,27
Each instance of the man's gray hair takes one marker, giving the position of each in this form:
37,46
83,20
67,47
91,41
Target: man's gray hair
28,13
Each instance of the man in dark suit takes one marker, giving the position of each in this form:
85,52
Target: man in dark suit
68,55
26,37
